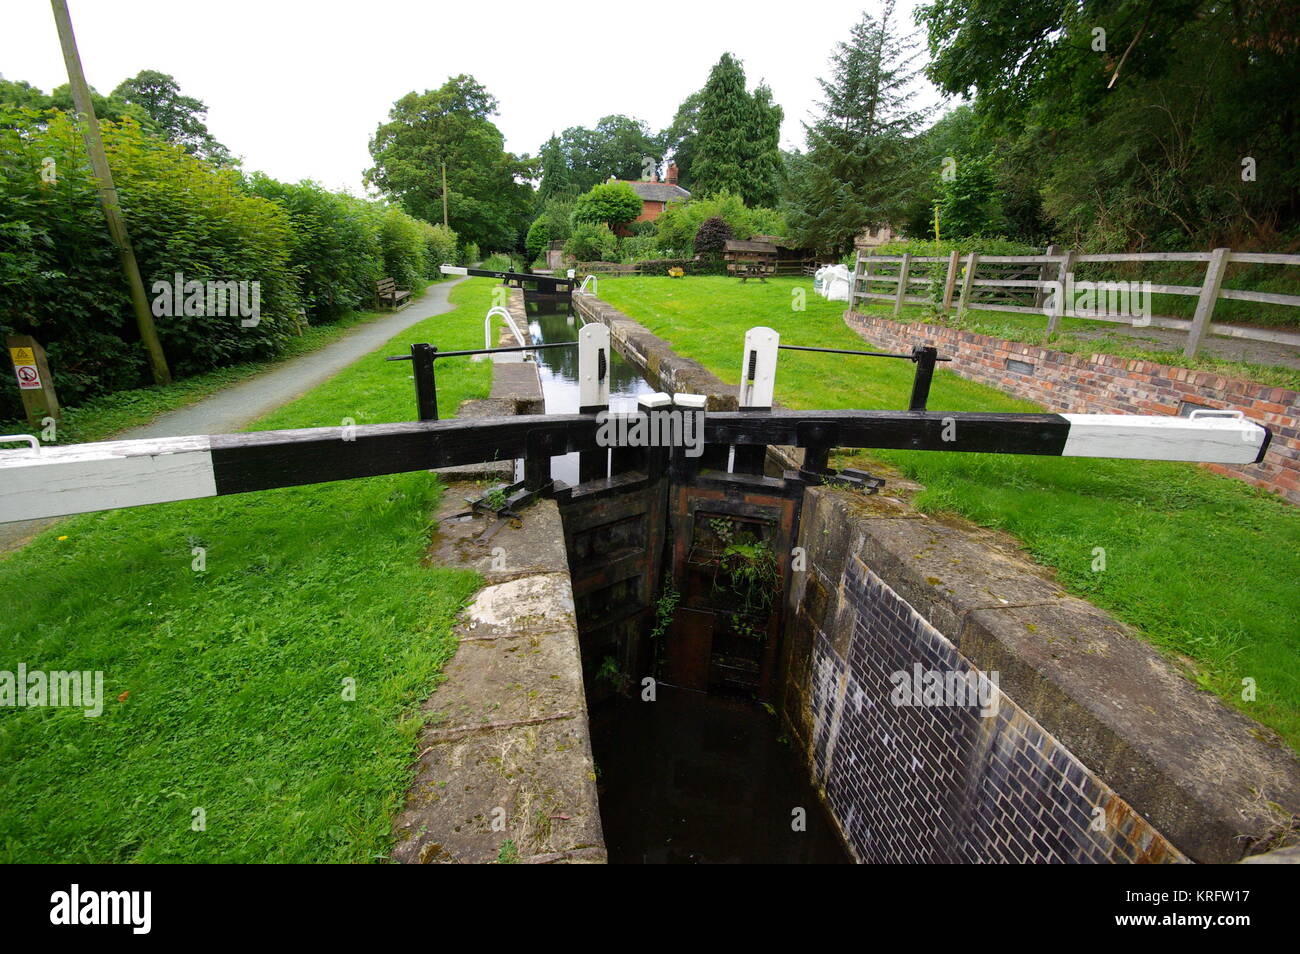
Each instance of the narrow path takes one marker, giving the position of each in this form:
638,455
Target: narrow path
1247,350
235,407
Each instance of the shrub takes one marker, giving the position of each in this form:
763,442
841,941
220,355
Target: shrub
538,239
639,248
498,262
712,236
592,243
335,249
676,227
610,203
401,243
468,254
439,248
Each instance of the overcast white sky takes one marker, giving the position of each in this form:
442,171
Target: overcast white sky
297,88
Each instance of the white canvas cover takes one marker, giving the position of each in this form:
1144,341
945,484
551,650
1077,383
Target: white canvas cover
835,283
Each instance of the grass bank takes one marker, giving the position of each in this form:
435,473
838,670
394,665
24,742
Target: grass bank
1204,566
1082,336
228,733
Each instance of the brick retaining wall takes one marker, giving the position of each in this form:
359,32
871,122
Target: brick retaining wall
1105,383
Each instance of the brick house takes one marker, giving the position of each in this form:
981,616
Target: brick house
656,195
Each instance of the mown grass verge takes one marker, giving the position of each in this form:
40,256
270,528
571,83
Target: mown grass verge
1204,566
1079,336
225,690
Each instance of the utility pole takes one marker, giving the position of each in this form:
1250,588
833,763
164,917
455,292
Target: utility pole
108,194
444,193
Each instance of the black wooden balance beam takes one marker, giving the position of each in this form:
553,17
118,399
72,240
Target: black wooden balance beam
80,478
551,284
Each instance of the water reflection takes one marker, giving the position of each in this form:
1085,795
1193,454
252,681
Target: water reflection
549,322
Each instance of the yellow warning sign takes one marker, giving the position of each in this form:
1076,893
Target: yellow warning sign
22,355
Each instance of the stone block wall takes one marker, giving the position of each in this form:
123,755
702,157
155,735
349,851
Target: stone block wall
1096,750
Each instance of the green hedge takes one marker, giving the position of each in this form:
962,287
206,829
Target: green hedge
335,247
61,281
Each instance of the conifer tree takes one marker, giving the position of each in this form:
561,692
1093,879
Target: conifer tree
857,171
735,146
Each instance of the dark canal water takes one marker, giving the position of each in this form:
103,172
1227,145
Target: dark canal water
698,779
689,778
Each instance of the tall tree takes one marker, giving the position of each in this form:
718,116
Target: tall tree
726,139
679,139
619,147
490,200
178,117
555,171
857,170
763,153
1143,124
723,123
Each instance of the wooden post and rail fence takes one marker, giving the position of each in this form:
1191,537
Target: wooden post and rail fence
1036,284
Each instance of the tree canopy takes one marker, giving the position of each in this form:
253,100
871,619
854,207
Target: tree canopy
735,143
489,198
858,170
176,116
1127,123
579,158
611,203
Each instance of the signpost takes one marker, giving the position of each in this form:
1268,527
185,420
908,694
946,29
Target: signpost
35,383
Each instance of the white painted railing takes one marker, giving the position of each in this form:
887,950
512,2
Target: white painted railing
500,311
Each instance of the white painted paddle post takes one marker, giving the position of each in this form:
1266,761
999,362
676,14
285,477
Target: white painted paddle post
593,368
593,393
757,386
758,367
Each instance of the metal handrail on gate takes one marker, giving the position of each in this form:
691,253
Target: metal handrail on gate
503,312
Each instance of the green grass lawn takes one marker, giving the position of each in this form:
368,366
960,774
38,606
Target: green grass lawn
1205,566
224,689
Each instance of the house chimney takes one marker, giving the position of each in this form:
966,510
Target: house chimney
672,174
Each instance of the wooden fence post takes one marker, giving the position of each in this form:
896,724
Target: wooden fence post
35,383
903,268
972,261
950,282
866,275
1058,307
853,286
1044,273
1205,303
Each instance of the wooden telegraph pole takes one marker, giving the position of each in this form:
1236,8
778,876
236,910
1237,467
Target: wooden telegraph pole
108,194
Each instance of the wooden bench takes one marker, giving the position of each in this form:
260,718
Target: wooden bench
748,270
388,291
